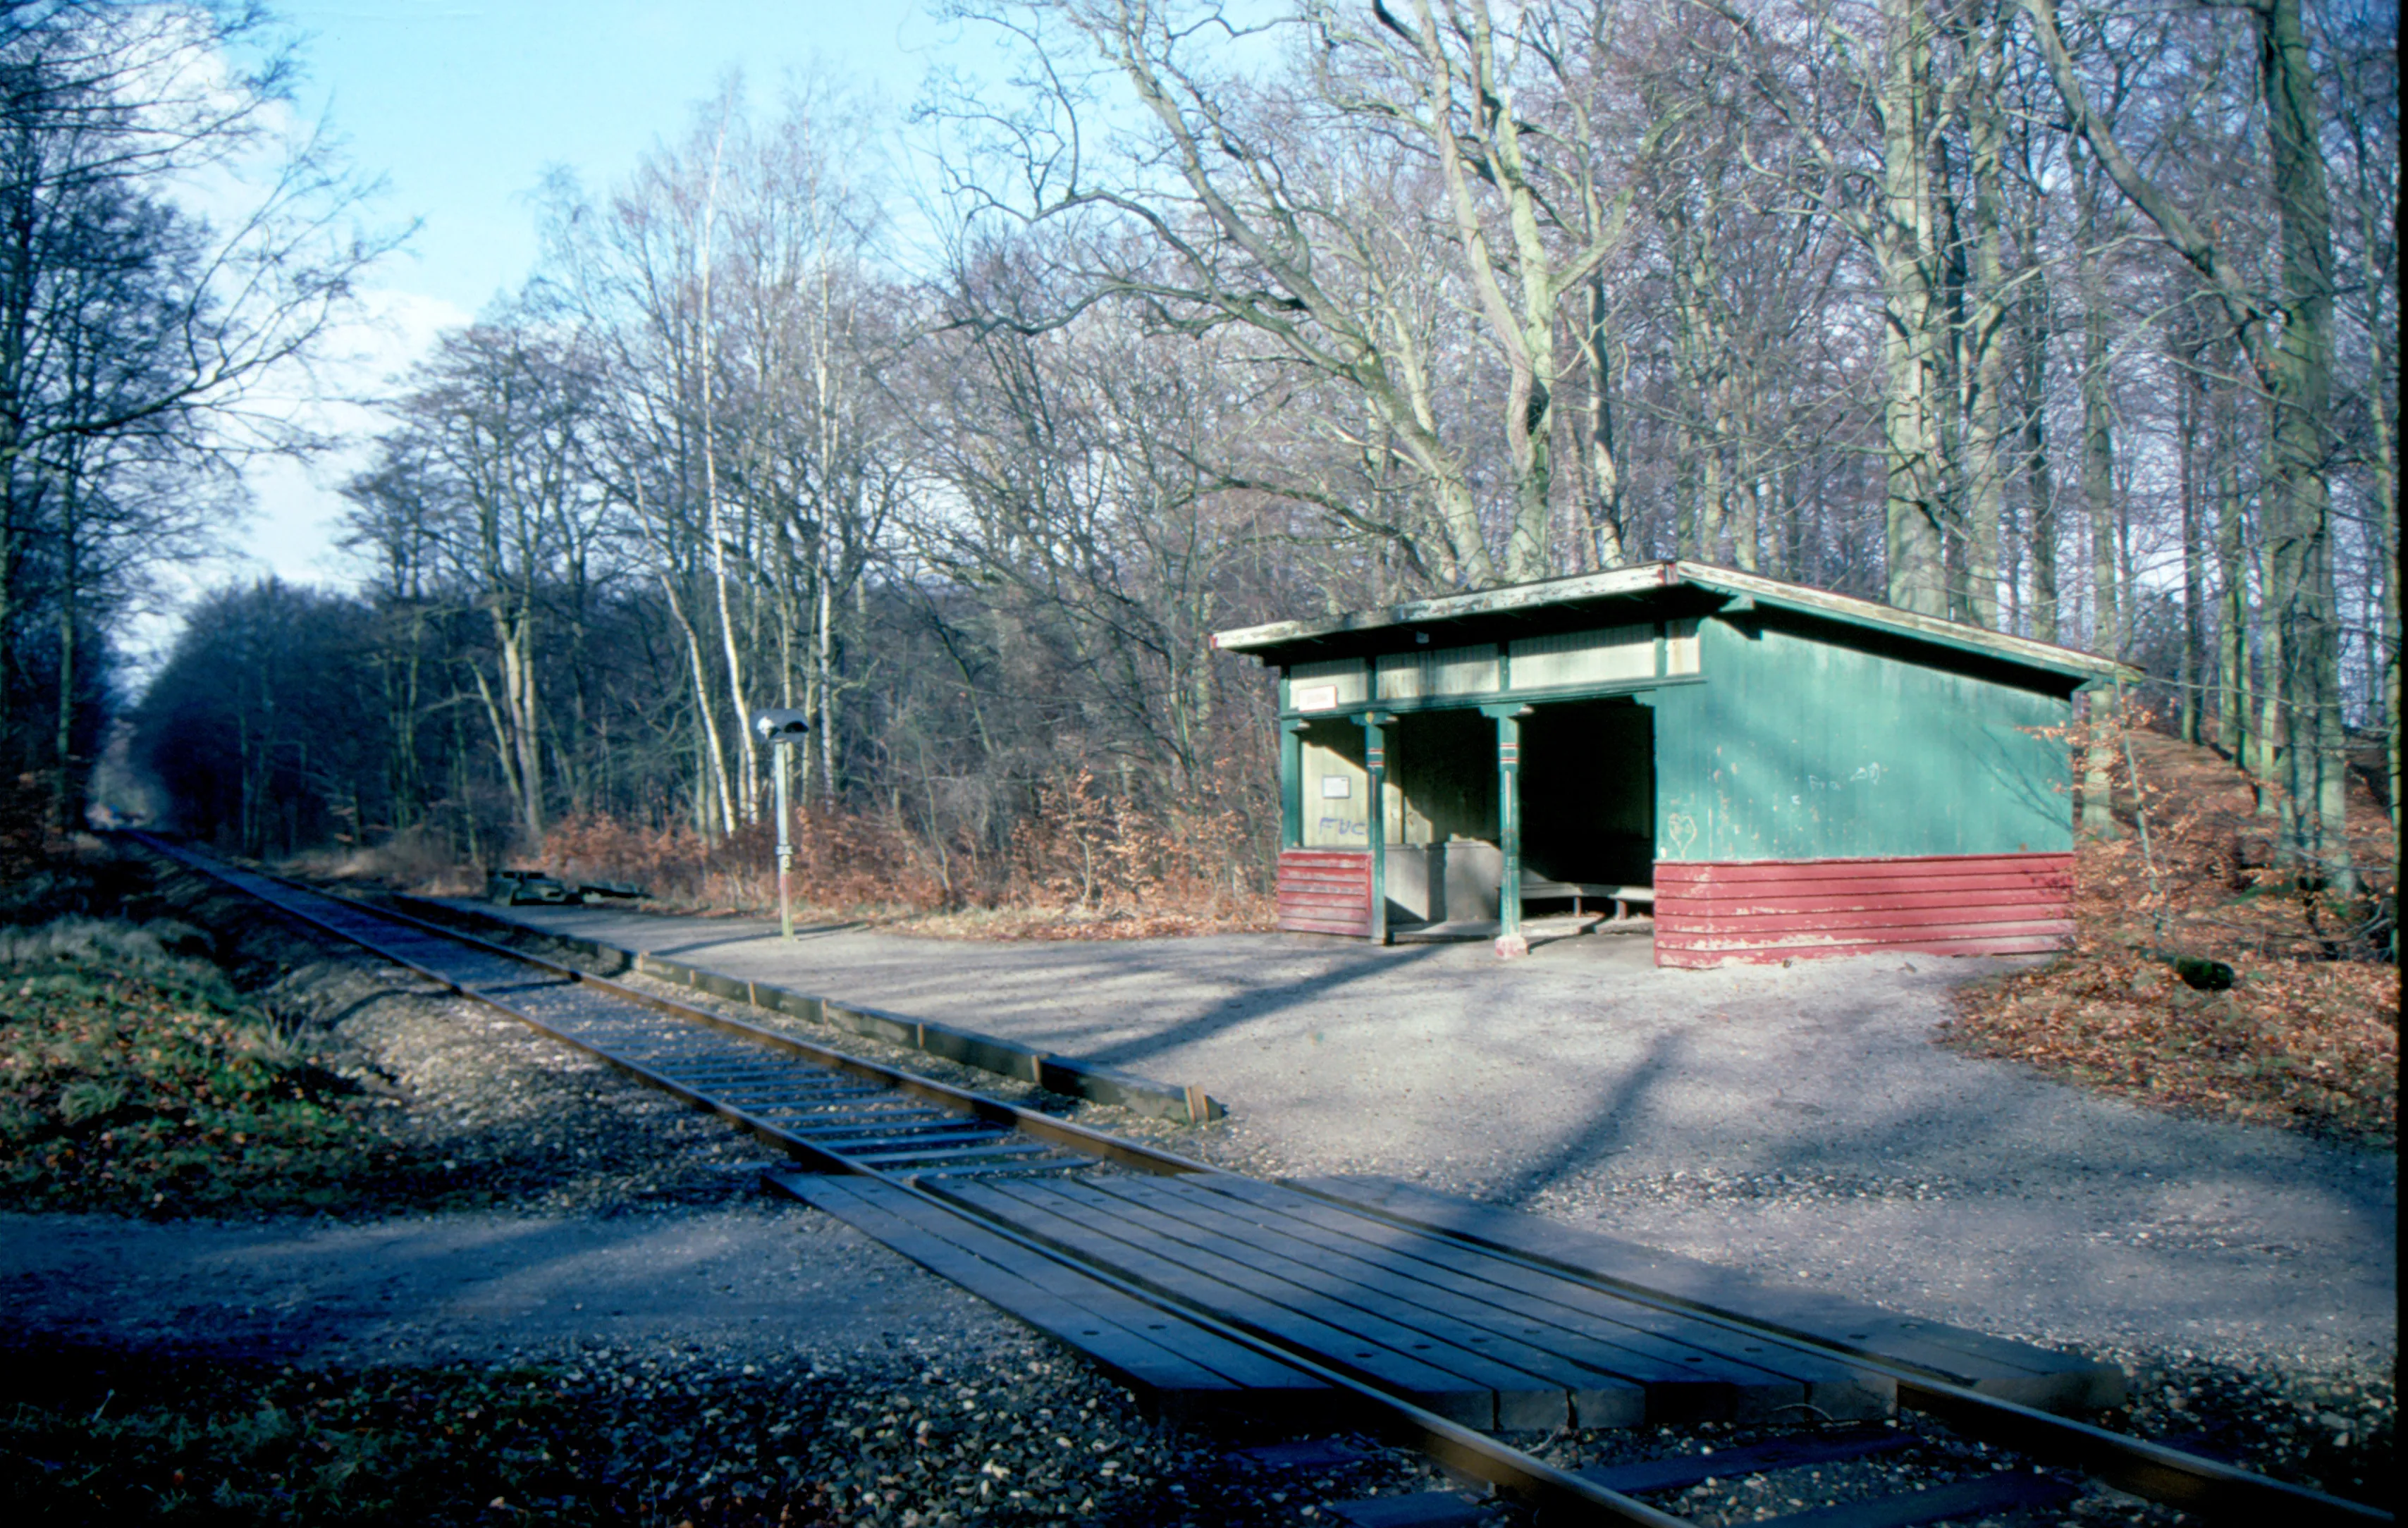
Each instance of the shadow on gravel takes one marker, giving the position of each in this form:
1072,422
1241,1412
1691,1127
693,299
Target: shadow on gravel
802,931
350,1010
1608,1131
1248,1007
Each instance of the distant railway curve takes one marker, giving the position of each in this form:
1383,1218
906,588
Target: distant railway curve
1216,1293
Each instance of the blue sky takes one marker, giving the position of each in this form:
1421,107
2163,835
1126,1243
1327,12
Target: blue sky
462,108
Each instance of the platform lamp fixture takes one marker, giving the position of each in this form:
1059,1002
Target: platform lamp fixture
781,730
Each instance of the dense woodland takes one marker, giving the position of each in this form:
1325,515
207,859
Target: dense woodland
963,433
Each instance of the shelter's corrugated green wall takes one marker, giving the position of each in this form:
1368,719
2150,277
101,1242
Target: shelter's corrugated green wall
1796,747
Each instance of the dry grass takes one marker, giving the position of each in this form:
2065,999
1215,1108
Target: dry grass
133,1078
1045,923
1080,865
413,860
2309,1034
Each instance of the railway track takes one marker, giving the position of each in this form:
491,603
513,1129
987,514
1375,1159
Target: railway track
923,1154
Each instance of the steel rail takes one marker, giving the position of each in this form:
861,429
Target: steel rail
1505,1468
1044,1127
2208,1487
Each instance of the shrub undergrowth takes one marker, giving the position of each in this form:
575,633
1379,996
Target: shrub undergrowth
1081,864
134,1078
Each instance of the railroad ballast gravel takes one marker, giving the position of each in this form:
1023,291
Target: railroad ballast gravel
581,1141
1797,1122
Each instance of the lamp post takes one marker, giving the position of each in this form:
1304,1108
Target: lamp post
783,729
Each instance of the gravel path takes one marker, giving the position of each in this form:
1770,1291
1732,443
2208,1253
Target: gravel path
726,1355
749,1283
770,1360
1797,1122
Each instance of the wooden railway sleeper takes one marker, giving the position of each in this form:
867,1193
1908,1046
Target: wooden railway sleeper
809,1118
2147,1469
941,1155
909,1132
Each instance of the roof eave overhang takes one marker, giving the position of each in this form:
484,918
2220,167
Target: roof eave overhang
2069,661
1580,589
1267,641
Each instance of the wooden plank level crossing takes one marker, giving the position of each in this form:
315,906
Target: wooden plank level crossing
1415,1287
2011,1371
1470,1328
1181,1367
1472,1337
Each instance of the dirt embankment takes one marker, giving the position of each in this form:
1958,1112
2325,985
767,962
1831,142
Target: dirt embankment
2208,975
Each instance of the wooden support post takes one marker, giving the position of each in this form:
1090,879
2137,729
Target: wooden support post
1292,784
1375,826
1509,827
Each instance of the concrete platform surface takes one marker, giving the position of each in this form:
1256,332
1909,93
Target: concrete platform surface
1796,1121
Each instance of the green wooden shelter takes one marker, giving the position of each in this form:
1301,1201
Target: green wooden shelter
1771,770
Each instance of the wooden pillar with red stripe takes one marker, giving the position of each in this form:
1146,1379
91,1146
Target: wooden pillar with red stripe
1292,784
1375,765
1509,827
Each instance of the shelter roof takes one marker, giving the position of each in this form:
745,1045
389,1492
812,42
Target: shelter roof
1363,631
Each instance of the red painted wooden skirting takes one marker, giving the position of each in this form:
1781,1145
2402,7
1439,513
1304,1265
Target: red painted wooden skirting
1761,910
1326,891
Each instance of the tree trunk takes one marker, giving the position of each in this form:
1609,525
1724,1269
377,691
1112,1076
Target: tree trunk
748,788
2190,681
2387,637
1912,512
2304,594
2232,687
2098,768
1711,495
1749,528
2273,752
2386,471
823,672
2107,634
70,585
715,770
1984,377
2039,479
1605,469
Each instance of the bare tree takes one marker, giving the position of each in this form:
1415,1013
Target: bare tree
2286,337
123,317
499,417
1250,203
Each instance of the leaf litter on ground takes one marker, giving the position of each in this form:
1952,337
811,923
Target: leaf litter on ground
2308,1034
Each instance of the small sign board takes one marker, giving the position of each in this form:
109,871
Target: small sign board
1317,697
781,725
1336,787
